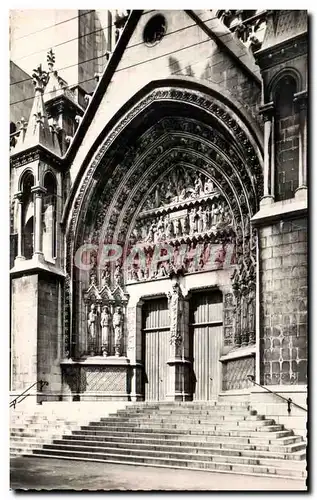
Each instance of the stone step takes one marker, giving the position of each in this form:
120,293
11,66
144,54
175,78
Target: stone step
232,457
185,447
192,432
177,423
204,428
188,464
250,443
176,418
188,404
183,411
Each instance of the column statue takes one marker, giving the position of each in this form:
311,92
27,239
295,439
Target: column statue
118,331
251,312
92,330
105,276
118,276
105,330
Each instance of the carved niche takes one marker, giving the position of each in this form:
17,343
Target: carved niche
244,292
105,311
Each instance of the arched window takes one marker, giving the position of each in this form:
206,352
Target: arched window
28,216
49,217
286,139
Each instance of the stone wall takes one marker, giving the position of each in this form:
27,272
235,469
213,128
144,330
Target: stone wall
24,332
21,93
283,307
49,332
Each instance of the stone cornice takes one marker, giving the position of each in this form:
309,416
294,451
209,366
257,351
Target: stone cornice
280,210
59,104
283,51
34,153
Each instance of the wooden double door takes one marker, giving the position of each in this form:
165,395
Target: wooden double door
205,331
156,349
205,336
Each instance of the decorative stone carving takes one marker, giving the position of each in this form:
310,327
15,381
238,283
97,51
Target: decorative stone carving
244,287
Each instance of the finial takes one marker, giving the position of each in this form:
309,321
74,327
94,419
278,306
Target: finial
22,123
39,117
55,128
50,59
40,79
87,98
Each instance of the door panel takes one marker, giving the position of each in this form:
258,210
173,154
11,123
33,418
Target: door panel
156,348
205,343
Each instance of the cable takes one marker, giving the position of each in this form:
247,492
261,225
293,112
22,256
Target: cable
53,25
127,67
73,39
131,46
66,41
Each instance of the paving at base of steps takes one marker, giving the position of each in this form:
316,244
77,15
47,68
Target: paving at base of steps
57,474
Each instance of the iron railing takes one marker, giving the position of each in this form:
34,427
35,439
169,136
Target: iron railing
289,401
26,393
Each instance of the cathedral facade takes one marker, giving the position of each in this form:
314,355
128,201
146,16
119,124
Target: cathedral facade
159,221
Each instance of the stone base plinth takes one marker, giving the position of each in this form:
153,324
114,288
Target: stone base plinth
97,379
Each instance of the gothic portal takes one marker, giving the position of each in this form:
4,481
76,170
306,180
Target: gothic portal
159,210
168,285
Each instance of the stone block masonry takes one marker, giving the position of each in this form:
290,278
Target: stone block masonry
283,309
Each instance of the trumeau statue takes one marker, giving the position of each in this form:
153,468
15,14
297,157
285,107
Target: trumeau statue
175,300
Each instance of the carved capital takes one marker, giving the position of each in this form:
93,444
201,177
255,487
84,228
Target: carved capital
18,196
301,99
38,190
267,111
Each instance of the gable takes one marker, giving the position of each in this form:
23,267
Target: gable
186,50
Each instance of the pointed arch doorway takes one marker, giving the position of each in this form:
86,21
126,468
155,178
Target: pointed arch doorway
188,172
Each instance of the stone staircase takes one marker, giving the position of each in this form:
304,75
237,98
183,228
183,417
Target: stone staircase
32,427
211,436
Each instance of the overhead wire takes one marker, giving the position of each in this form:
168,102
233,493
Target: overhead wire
102,55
